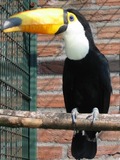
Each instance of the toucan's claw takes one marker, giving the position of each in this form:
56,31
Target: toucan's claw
74,115
74,118
95,114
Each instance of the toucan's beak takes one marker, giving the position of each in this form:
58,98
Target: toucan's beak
43,21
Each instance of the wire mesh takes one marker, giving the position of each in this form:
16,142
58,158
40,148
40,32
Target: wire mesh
14,82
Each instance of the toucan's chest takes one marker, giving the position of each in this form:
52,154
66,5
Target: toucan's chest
83,82
85,67
83,75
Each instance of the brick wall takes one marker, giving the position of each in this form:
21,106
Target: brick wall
104,18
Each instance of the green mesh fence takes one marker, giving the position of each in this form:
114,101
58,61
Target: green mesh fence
15,84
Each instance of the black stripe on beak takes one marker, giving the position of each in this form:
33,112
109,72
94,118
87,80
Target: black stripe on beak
12,22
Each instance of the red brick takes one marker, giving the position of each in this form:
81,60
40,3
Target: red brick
49,153
61,3
110,48
45,38
49,50
108,32
108,2
57,136
55,101
116,82
110,136
56,4
109,29
101,15
64,3
108,150
49,84
115,100
79,4
51,67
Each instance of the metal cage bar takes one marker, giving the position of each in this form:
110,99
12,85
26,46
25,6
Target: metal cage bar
16,92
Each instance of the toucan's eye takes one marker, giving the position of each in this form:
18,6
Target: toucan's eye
71,18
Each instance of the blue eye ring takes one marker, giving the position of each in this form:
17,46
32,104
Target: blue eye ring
71,18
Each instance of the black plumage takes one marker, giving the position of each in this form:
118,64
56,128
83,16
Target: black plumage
86,85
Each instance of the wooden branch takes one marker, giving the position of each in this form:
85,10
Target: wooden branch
51,120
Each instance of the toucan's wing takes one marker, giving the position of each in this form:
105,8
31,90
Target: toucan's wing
105,82
68,87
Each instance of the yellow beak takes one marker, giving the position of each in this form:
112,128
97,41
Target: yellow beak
43,21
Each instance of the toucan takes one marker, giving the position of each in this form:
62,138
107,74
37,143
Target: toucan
86,76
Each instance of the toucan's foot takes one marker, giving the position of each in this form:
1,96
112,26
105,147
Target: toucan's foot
95,114
74,118
74,115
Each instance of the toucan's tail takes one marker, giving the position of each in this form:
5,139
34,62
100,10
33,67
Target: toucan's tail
83,146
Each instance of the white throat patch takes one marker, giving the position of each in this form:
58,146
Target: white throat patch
76,43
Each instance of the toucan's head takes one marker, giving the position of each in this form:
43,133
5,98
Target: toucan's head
44,21
52,21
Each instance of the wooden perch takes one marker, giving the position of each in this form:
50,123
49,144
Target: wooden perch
52,120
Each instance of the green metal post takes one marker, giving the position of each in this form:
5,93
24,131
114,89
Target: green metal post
33,93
